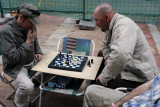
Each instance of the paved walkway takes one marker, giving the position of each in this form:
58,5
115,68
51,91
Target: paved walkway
53,28
51,43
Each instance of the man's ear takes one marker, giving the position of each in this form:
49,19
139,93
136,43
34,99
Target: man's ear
21,16
106,16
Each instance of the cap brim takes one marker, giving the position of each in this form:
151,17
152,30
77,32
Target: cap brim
35,20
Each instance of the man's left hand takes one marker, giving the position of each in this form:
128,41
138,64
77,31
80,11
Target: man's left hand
105,63
114,105
39,57
97,79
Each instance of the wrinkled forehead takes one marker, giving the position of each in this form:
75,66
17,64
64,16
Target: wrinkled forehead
95,12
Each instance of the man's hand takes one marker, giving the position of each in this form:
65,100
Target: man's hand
39,57
114,105
97,79
30,36
105,63
98,82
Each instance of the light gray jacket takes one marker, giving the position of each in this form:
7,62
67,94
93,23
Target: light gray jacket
128,51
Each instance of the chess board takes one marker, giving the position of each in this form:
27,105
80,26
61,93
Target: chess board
68,62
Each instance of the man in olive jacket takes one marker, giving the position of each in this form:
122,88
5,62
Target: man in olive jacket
20,50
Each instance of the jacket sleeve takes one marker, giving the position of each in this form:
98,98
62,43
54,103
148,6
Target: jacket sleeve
37,47
124,39
14,52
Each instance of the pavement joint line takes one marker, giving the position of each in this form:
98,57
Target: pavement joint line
156,35
62,31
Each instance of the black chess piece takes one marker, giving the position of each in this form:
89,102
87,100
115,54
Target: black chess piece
60,55
92,61
89,63
67,57
67,62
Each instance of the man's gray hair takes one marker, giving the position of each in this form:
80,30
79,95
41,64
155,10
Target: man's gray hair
104,8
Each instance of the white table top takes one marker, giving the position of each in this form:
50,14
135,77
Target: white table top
87,72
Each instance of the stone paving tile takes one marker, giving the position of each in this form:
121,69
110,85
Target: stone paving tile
144,28
154,50
158,27
155,34
49,24
148,36
5,90
62,31
151,42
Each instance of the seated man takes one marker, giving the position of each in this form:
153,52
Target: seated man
21,51
129,61
146,95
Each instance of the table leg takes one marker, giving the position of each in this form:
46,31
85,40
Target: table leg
40,99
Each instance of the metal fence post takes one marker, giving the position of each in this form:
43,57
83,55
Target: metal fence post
83,9
1,9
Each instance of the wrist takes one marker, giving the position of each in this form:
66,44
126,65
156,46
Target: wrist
28,41
118,104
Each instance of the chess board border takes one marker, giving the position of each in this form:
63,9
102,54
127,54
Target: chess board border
79,69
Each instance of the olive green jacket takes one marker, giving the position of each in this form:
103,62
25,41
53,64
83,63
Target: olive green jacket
15,51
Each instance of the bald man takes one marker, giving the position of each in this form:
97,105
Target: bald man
128,60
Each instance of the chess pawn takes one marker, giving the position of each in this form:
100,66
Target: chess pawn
89,63
91,60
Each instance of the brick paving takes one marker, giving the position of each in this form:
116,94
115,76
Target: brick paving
53,27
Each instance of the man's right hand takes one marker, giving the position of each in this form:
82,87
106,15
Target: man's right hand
105,63
97,79
30,36
114,105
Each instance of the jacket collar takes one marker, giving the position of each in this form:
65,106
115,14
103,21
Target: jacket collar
109,32
16,28
113,21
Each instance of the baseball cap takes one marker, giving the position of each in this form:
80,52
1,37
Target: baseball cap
30,11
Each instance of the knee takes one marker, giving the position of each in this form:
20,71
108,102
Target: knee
90,90
29,88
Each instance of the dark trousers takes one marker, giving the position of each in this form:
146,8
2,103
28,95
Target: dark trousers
117,82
